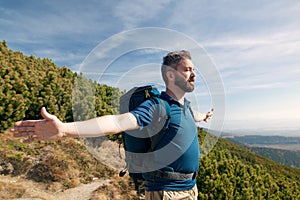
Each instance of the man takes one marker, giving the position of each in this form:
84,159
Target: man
180,138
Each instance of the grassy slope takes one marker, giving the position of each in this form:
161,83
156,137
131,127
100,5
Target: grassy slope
55,165
67,163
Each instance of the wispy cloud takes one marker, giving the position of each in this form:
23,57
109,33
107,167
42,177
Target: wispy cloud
254,44
70,30
259,60
134,12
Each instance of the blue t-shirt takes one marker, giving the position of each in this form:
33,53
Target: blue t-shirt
178,150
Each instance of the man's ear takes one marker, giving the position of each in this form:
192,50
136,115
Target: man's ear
170,75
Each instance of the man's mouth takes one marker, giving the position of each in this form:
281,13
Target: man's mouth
191,80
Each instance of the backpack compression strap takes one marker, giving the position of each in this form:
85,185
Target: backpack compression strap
164,114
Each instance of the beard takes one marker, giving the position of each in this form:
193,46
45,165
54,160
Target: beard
185,85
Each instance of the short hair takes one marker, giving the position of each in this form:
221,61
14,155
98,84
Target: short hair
172,60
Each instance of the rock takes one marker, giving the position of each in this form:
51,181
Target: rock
6,168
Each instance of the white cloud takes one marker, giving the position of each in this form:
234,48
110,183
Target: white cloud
258,61
134,12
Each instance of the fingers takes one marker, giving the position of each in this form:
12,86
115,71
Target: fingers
29,139
27,127
211,112
23,131
32,128
209,115
24,125
24,134
24,128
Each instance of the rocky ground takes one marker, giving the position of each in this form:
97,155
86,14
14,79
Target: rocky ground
15,187
18,188
67,170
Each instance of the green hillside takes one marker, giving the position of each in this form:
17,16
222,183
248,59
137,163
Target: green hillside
28,83
229,171
233,172
285,157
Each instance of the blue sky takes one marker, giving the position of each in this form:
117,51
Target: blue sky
255,46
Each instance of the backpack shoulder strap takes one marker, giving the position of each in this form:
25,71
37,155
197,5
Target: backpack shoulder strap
164,114
192,113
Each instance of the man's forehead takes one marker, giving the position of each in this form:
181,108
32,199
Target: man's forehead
186,63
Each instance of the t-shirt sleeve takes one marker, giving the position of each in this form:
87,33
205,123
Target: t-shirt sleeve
145,112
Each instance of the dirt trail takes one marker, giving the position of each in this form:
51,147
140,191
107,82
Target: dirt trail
82,192
38,191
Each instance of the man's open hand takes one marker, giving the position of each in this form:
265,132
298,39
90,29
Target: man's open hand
49,128
209,115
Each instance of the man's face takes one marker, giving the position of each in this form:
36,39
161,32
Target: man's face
185,75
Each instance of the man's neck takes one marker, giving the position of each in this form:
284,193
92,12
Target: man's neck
176,95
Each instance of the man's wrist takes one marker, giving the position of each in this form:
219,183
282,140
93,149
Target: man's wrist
69,130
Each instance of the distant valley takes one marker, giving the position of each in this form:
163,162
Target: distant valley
281,149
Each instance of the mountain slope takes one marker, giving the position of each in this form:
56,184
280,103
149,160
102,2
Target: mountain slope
282,156
228,171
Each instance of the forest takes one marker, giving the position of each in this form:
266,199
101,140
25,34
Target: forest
29,83
282,156
228,171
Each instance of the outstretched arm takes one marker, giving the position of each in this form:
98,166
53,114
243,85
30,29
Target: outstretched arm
51,128
199,117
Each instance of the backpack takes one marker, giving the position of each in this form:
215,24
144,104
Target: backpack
132,140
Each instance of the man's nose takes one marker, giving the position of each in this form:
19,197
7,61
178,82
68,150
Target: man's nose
193,74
